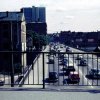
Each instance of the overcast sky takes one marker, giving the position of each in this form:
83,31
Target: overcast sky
63,15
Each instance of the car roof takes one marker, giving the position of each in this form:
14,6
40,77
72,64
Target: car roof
52,72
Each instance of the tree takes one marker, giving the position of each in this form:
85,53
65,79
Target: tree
38,40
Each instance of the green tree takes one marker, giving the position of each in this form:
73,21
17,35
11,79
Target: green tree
38,40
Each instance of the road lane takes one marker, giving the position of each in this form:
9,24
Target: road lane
37,76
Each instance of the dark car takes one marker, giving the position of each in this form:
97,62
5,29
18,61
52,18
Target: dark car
69,69
94,73
73,77
51,61
83,62
53,77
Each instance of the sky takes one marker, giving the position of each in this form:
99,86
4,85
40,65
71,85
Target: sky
63,15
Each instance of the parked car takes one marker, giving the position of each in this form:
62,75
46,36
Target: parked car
53,77
73,77
94,73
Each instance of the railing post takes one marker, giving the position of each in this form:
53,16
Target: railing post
12,71
12,66
43,72
97,68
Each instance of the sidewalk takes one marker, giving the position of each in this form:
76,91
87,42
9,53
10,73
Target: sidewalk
48,95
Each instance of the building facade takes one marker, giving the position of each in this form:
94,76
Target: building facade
12,38
35,20
80,39
34,14
40,28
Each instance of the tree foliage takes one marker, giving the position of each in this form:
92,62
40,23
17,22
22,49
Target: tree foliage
38,40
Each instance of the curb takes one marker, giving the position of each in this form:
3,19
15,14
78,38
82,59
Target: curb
51,90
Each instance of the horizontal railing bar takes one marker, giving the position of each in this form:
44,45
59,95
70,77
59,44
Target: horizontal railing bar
50,52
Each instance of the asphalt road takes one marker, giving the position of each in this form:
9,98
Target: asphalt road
36,75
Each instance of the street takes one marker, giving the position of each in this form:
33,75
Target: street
35,78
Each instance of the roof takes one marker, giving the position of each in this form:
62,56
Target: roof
36,22
11,16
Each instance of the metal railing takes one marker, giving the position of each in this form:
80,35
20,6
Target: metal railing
47,70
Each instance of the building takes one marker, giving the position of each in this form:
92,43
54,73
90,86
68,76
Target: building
28,14
38,14
12,38
38,27
80,39
35,20
34,14
65,37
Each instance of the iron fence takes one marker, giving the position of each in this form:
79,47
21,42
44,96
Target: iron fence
48,69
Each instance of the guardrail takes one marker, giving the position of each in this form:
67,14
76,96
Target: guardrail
49,69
